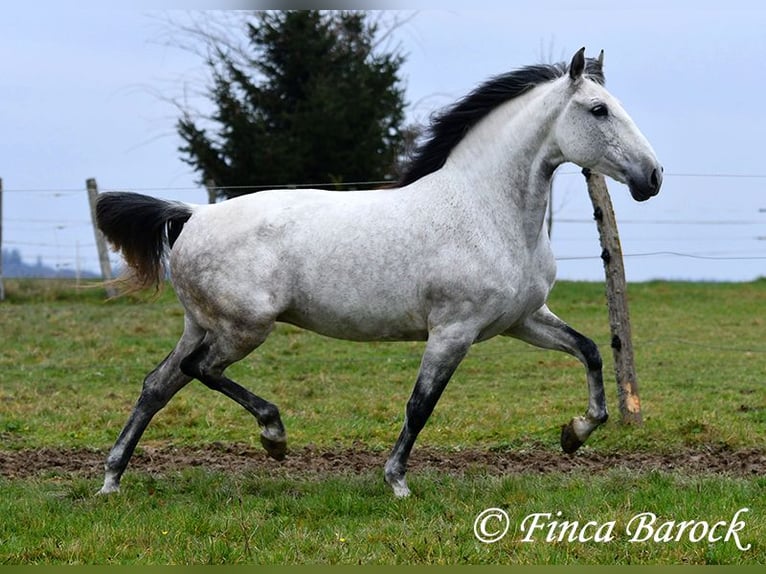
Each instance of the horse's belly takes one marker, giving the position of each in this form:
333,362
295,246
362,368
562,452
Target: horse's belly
358,324
357,312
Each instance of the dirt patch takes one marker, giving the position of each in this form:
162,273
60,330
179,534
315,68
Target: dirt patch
310,460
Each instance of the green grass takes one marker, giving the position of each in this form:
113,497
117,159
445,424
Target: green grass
72,365
198,517
71,368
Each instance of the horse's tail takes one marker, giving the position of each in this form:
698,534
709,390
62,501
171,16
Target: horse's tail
143,228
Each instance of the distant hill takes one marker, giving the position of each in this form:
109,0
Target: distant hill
14,266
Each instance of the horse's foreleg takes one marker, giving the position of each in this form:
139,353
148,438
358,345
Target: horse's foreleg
443,354
544,329
207,364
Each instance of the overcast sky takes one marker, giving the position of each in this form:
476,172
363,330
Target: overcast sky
83,94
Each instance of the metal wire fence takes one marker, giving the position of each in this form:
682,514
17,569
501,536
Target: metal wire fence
53,234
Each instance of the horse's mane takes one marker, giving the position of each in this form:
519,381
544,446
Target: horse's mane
450,126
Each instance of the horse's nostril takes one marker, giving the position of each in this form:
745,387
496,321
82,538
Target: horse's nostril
655,180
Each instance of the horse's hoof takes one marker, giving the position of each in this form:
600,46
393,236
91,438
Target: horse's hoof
569,440
401,491
276,449
107,490
111,484
399,486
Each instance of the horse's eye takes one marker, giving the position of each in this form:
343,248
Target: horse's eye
600,110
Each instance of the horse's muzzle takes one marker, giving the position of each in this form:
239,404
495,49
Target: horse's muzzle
643,187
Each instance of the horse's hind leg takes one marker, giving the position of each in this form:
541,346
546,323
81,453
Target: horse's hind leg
207,363
546,330
159,387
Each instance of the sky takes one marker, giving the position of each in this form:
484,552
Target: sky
86,92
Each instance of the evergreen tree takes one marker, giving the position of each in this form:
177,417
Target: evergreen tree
311,102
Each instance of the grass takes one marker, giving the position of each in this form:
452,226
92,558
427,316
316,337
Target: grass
71,367
199,517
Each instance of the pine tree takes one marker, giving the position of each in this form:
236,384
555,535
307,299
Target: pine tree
312,102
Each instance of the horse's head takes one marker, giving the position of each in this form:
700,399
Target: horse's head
594,131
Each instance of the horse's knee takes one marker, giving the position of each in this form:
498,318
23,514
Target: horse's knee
592,355
588,349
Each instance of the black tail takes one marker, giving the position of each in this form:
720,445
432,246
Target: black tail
142,228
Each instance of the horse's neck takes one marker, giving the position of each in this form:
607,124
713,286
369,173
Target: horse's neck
509,158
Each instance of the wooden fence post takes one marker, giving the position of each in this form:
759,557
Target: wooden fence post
103,251
617,299
212,191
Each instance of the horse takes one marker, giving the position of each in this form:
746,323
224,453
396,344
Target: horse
455,253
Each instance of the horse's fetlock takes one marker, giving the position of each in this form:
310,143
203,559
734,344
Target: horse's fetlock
270,415
601,418
596,418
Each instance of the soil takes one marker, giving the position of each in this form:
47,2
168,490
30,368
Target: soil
309,460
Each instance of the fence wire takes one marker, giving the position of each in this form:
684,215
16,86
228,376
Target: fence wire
65,243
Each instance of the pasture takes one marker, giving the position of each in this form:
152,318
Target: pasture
201,491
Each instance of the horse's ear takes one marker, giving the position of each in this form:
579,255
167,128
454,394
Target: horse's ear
577,66
600,61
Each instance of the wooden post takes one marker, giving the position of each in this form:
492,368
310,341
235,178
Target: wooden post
103,252
212,192
2,287
617,299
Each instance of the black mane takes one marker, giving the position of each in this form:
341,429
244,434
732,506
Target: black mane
450,126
